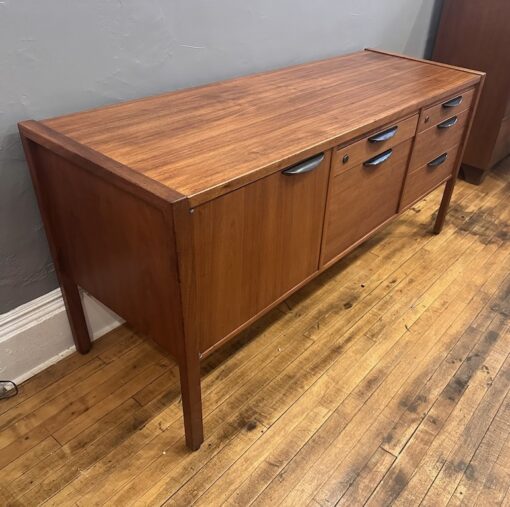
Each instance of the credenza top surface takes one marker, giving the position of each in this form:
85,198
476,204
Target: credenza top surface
202,142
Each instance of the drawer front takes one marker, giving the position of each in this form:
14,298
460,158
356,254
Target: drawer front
382,139
362,198
445,109
424,179
253,245
437,139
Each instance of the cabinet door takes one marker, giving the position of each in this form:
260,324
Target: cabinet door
361,197
254,245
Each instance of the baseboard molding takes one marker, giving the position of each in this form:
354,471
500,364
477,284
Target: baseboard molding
37,334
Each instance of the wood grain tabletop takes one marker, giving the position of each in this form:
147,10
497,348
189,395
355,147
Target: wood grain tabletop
205,141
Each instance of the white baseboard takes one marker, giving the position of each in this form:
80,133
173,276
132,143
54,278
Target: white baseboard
37,334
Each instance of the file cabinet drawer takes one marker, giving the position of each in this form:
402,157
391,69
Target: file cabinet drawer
436,140
424,179
362,198
387,137
445,109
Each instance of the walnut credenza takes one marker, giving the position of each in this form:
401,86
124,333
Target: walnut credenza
191,214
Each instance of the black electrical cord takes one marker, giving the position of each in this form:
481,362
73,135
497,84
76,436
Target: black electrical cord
8,389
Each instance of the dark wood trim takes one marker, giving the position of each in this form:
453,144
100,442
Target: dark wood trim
430,62
99,164
74,309
189,360
189,373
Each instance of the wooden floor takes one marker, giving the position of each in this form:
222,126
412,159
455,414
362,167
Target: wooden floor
386,380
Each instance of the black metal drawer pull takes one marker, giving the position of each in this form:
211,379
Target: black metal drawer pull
457,101
379,159
438,161
383,136
448,123
304,167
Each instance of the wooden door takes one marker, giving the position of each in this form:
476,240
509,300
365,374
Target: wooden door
252,246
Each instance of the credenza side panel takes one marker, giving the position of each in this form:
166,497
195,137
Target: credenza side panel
250,247
117,247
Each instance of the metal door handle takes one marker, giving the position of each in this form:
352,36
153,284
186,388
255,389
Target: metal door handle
383,136
438,161
304,167
453,102
379,159
448,123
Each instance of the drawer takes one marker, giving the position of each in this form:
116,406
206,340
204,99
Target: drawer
424,179
445,109
362,198
432,142
372,144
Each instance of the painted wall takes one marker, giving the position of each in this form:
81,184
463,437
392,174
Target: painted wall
60,56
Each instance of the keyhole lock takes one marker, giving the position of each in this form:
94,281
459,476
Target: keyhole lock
427,119
345,159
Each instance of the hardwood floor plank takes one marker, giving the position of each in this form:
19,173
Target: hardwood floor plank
497,483
145,422
413,489
78,399
19,446
117,342
466,328
484,458
416,405
347,452
46,396
436,401
426,363
74,426
359,490
28,460
458,461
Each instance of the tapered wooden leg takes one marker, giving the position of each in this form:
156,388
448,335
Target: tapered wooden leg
192,402
70,292
445,203
74,309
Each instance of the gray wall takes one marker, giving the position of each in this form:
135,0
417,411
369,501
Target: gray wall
59,56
